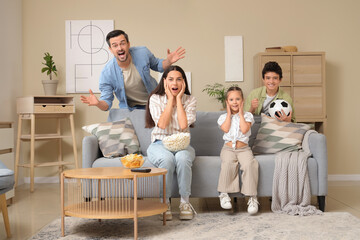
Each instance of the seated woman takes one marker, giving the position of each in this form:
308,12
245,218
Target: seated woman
259,99
171,110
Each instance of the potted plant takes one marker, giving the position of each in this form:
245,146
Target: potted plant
218,91
50,85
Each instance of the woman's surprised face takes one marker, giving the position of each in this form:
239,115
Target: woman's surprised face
175,82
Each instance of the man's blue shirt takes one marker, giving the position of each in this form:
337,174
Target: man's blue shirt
112,81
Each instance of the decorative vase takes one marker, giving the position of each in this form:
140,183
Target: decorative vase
50,86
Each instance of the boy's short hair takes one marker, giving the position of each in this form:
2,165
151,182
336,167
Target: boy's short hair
272,67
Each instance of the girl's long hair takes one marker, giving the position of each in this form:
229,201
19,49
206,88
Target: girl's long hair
160,90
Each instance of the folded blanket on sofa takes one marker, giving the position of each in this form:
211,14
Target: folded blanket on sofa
291,192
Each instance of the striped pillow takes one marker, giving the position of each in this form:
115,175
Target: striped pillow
115,138
277,136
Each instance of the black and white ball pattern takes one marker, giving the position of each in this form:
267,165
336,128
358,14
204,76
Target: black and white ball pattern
277,105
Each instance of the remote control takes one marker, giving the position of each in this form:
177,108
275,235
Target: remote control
144,170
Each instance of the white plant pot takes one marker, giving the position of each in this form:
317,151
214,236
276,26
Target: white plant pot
50,86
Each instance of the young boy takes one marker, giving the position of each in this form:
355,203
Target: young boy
260,98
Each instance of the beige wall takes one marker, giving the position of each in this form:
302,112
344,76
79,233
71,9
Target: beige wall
10,60
200,26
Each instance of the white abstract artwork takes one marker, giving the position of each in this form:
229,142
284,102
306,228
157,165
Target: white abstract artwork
234,69
86,53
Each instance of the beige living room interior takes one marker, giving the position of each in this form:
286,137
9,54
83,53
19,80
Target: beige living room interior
32,27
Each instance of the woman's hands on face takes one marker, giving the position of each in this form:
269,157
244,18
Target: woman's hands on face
167,90
182,91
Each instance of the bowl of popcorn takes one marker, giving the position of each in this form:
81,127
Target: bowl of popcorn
132,161
177,142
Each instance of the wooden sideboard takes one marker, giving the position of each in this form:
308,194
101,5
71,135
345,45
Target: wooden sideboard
35,107
303,79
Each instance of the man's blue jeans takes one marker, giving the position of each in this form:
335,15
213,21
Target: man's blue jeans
180,161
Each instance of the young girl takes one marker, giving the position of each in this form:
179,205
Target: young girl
172,110
237,128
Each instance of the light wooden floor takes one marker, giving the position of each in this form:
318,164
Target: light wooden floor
31,211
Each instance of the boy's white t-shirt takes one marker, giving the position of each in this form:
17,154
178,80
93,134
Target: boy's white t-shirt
235,133
266,104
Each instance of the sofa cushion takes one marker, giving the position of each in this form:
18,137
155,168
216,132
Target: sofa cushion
6,179
115,138
137,118
254,129
206,136
276,136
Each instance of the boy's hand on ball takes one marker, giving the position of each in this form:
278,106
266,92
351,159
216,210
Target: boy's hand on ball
283,116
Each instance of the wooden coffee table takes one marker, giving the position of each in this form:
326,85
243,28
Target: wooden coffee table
111,193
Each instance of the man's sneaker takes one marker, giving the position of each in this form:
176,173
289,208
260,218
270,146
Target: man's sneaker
186,211
253,205
168,214
225,201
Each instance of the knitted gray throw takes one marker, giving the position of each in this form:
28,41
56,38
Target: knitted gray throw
291,192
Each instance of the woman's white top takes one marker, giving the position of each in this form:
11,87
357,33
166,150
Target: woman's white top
235,133
157,106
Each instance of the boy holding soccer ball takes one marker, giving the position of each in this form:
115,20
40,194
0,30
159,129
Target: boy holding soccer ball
259,99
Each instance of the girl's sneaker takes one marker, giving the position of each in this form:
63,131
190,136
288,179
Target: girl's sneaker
253,205
225,201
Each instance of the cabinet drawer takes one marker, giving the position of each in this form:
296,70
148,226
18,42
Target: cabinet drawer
64,108
307,69
285,64
43,108
54,108
308,101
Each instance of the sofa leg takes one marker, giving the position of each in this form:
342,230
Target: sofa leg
235,200
321,201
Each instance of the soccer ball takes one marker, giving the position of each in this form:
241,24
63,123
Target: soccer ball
277,105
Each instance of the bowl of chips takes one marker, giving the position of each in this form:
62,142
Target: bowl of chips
132,161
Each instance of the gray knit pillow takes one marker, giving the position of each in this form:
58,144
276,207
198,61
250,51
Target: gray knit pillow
277,136
115,138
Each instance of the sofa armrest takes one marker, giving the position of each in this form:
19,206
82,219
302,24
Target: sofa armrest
90,151
318,149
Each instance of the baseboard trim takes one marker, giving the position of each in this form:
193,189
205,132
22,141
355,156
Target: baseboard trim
42,180
344,177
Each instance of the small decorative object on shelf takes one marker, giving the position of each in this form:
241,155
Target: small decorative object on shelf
50,85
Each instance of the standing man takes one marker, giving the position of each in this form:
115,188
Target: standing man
127,75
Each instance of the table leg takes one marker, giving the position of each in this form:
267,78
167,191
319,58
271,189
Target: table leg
32,152
58,131
4,210
73,139
62,206
18,142
135,209
164,198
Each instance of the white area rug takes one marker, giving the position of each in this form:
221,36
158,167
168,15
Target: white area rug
218,225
